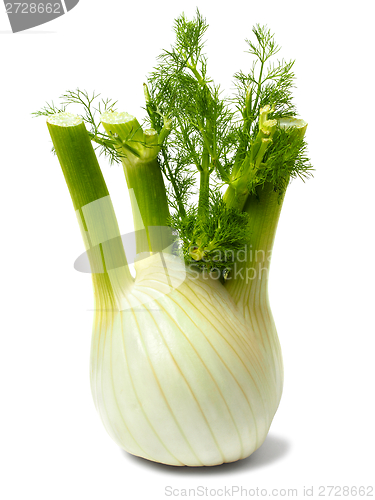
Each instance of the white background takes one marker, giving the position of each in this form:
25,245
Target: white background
53,445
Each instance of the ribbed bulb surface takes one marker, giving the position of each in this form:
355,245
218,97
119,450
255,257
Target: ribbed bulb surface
181,375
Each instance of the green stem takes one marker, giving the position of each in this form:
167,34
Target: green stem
149,204
244,141
198,76
93,207
259,84
233,199
252,267
204,193
145,182
165,131
204,187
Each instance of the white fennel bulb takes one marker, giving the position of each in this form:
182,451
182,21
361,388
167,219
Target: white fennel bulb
183,378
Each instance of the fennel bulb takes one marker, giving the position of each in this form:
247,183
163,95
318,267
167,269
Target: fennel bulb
185,379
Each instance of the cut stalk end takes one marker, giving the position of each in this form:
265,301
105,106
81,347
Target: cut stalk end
64,120
134,142
292,122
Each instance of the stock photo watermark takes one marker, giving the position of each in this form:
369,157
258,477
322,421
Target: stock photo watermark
25,15
174,262
104,256
246,264
242,492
